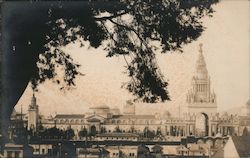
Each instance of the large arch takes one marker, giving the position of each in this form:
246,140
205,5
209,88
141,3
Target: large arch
202,124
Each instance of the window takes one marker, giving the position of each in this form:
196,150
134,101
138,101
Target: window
43,151
9,154
17,154
50,151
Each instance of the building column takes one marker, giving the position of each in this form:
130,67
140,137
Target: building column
188,131
209,129
168,130
171,130
213,129
192,129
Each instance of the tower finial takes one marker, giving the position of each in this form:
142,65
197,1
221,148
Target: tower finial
200,45
33,92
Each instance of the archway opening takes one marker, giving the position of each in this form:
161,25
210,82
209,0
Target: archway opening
93,130
201,125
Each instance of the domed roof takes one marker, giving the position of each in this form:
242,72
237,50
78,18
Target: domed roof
115,108
248,104
100,107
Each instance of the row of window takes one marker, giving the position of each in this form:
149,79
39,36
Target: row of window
70,121
130,154
117,138
133,121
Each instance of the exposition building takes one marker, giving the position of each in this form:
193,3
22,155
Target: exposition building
202,118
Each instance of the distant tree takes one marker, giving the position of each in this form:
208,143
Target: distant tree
157,151
69,133
33,41
158,132
148,133
132,129
103,130
117,130
83,132
20,135
151,134
143,151
145,132
40,127
52,133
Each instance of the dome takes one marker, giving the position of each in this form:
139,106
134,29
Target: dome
100,107
248,108
102,110
248,104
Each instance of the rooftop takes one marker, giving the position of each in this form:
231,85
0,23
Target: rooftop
242,144
117,135
134,116
67,116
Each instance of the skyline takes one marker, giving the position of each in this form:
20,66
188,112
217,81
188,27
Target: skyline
177,68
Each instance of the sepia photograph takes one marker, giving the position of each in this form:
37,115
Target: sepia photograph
125,79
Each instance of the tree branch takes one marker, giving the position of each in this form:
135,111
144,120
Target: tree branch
110,17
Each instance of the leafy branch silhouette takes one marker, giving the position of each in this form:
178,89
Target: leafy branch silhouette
172,23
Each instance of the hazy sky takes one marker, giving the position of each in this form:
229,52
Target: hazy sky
226,51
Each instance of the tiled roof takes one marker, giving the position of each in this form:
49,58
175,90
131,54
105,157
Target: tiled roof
93,120
100,107
95,116
92,151
242,144
134,116
69,116
182,148
197,147
219,154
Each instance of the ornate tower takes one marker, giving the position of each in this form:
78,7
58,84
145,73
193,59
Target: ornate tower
200,99
33,114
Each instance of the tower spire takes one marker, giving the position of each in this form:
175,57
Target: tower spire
201,69
200,45
200,98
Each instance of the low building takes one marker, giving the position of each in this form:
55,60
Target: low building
91,153
42,149
12,150
182,150
122,151
117,137
198,149
238,146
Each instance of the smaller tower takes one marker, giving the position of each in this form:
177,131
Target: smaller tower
33,114
129,108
